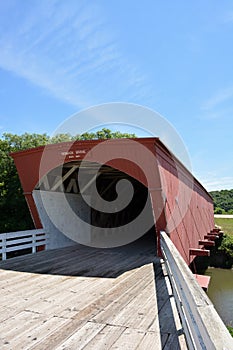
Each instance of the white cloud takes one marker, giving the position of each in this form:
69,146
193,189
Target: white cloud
217,114
213,183
218,98
67,49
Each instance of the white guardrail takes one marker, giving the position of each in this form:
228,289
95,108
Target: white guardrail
14,241
203,327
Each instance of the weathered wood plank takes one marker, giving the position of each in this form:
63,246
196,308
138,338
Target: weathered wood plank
148,314
18,323
105,339
135,313
35,332
82,337
129,339
150,341
85,314
108,314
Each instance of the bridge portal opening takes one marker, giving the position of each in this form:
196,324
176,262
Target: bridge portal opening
69,219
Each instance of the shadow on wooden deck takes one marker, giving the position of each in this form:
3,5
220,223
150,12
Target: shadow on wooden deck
79,260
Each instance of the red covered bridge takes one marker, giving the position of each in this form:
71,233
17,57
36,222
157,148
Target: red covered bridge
179,204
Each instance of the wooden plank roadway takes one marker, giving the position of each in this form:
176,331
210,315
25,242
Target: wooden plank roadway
83,298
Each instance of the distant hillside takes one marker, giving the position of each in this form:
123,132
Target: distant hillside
223,201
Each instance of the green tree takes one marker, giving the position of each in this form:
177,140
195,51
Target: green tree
14,211
60,138
223,199
102,134
218,210
227,245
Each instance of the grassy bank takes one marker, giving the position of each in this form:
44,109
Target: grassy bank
225,245
230,329
226,224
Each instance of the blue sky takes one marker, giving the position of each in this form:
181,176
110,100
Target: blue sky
59,57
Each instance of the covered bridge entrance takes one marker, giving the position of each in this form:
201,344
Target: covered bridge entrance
62,208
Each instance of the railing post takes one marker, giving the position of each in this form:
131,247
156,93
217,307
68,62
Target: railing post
158,210
46,242
4,247
34,242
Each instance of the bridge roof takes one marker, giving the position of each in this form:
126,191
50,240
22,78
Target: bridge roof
53,155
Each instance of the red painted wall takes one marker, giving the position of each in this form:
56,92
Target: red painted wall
188,206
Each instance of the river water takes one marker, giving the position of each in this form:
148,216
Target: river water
220,292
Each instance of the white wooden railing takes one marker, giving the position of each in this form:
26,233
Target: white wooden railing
15,241
202,326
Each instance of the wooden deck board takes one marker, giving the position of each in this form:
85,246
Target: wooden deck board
129,339
105,339
94,299
82,337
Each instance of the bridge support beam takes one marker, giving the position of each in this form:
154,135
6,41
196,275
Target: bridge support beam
199,252
206,243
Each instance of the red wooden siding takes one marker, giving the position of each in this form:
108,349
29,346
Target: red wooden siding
188,206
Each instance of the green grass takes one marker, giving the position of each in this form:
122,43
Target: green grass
226,224
230,329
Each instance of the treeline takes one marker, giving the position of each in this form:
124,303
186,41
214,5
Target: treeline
223,201
13,208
